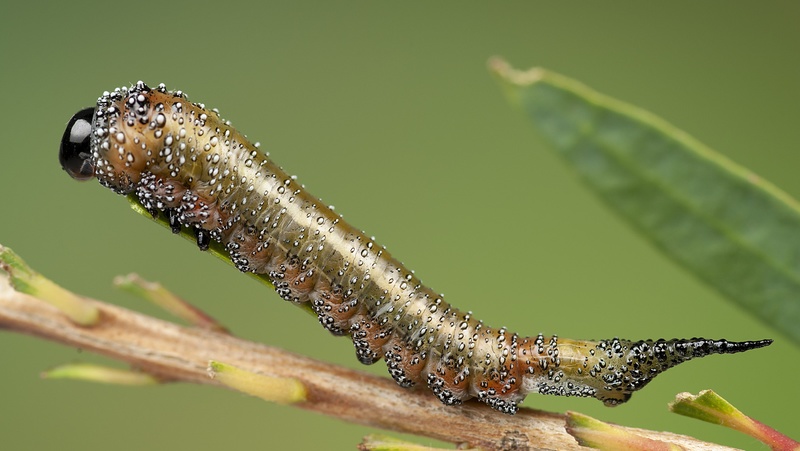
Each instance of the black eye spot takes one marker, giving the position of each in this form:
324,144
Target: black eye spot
74,153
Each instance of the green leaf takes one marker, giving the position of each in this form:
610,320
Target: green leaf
101,374
25,280
593,433
282,390
734,230
713,408
378,442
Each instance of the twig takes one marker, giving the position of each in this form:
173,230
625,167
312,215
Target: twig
175,353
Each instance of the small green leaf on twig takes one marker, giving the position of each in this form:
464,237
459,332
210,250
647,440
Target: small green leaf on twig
709,406
282,390
25,280
720,221
102,374
594,433
378,442
165,299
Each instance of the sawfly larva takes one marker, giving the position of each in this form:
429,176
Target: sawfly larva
181,160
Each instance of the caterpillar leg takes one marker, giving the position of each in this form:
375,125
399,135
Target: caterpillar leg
404,364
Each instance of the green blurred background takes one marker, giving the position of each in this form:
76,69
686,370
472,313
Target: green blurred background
387,112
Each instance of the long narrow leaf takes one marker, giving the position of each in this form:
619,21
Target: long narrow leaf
734,230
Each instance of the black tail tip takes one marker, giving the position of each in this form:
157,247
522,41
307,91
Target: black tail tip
699,347
732,347
745,345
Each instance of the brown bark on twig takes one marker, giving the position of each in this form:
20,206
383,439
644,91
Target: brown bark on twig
178,353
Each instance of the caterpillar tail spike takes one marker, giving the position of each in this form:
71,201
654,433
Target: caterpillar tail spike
183,162
611,370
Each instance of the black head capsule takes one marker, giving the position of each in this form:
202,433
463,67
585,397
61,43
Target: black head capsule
75,154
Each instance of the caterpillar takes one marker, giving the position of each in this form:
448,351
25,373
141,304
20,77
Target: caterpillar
181,160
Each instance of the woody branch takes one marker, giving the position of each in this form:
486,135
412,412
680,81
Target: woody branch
181,354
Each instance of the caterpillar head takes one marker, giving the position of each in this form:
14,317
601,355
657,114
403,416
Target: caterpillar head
75,152
115,140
